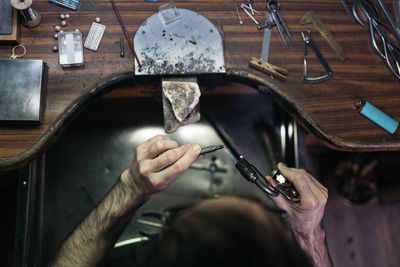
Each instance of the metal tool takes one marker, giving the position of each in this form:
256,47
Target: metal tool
348,7
30,17
209,149
266,37
238,14
309,17
263,64
309,42
249,7
268,68
121,23
268,25
121,46
249,171
273,7
248,14
213,168
389,18
385,38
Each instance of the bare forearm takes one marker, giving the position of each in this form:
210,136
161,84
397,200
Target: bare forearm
315,247
89,244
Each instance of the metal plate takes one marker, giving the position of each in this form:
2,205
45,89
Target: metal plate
20,90
167,49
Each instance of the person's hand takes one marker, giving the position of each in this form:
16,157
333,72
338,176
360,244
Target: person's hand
158,162
305,217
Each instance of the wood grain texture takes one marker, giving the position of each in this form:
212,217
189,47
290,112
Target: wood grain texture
325,109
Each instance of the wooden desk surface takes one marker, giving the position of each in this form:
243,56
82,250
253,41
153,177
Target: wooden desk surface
325,109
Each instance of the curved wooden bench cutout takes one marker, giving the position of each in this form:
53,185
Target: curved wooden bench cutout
259,81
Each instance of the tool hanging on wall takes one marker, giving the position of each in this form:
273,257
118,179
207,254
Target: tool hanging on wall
308,41
311,17
30,17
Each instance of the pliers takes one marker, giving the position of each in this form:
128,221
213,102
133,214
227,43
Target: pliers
273,8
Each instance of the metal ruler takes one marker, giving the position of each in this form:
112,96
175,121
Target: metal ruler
267,38
309,17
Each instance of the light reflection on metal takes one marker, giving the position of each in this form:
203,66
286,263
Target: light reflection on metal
283,139
296,145
290,130
131,241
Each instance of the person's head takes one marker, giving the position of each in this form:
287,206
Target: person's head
227,231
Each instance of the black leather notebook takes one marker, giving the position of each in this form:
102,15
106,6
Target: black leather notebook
22,87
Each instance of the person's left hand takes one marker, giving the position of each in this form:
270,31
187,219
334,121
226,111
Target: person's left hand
158,162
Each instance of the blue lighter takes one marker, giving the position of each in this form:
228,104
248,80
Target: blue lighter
377,116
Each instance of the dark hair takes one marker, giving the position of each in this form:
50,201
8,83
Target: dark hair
226,236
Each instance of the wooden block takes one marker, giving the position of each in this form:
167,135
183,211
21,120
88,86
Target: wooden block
13,38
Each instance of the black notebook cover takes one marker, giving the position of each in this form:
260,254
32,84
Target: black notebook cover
21,90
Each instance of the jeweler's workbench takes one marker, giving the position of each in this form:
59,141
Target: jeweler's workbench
325,109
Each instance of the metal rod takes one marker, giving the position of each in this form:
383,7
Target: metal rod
121,46
121,22
238,14
248,14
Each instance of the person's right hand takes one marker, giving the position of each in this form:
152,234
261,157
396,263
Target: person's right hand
305,217
158,162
